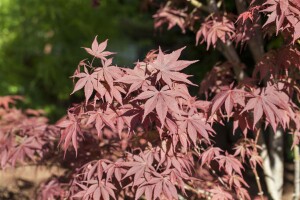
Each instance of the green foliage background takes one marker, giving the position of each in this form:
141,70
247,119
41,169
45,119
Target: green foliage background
40,45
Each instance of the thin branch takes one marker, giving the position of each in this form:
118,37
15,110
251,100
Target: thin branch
231,55
218,177
199,5
257,179
198,191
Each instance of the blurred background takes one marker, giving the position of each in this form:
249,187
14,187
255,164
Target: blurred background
40,45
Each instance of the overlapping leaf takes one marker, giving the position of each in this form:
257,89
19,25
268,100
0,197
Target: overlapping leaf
160,100
70,132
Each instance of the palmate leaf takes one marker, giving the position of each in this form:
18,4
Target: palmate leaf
182,163
69,133
236,181
108,74
96,190
101,118
115,170
194,125
228,97
86,80
215,28
26,149
161,101
170,16
248,14
168,66
97,50
95,185
140,167
271,102
245,15
285,14
255,159
137,78
50,190
229,163
101,81
209,154
158,187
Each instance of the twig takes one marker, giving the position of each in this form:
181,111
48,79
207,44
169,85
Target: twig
199,5
257,179
198,191
218,177
196,3
231,55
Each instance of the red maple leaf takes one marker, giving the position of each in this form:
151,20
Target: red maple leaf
101,119
168,65
170,16
137,78
209,154
106,76
140,167
285,13
229,97
26,149
69,133
271,102
97,50
86,80
229,163
215,28
162,101
194,124
246,15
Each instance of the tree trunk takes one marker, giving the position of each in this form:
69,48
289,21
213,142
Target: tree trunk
272,155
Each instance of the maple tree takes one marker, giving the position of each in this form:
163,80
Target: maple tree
153,139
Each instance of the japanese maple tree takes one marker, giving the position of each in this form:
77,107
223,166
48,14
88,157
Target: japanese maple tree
140,134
